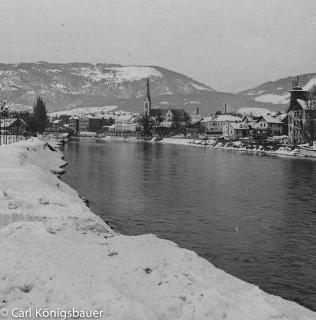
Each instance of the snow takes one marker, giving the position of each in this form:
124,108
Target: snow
302,103
310,84
55,253
227,117
270,119
134,73
59,86
198,87
274,98
117,74
253,111
222,118
80,112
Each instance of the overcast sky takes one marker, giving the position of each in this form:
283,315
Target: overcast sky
227,44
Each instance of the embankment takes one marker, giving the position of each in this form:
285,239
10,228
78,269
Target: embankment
56,253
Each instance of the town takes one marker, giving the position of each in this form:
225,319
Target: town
263,131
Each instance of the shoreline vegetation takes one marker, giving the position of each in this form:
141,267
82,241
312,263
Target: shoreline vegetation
56,253
268,149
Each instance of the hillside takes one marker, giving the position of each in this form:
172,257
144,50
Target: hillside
76,85
277,92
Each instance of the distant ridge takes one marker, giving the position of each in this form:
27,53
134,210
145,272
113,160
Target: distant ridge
277,92
71,85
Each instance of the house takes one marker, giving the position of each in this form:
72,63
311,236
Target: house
84,125
235,130
13,126
271,124
195,116
250,120
284,117
55,124
168,115
73,124
301,116
194,129
215,124
125,124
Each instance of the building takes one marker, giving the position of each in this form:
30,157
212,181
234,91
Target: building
125,124
13,126
95,124
73,124
236,130
284,117
169,115
194,117
83,125
194,129
301,116
272,124
215,124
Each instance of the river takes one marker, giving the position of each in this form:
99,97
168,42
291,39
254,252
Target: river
253,216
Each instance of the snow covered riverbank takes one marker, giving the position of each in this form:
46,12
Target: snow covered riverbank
55,253
236,145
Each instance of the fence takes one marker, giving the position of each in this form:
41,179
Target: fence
10,138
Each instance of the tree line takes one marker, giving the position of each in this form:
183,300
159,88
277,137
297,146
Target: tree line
37,120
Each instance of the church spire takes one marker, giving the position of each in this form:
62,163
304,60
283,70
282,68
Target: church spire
147,102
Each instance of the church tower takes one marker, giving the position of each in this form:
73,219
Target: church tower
147,101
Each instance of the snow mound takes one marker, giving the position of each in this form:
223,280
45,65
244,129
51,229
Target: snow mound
80,112
274,98
55,253
253,111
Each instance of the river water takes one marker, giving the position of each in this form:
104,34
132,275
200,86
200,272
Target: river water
253,216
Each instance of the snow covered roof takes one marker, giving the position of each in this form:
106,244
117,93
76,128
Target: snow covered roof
310,84
227,117
207,119
302,103
126,118
282,116
5,123
270,119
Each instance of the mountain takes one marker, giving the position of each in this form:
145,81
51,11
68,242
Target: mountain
77,85
277,92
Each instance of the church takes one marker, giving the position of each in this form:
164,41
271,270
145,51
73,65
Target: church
167,114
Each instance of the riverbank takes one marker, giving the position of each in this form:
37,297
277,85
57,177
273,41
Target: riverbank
230,145
56,253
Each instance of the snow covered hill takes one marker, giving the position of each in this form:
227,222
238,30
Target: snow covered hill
84,112
277,92
57,254
76,85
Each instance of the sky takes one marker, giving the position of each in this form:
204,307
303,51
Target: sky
227,44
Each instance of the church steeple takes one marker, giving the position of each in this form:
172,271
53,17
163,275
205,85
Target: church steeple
147,101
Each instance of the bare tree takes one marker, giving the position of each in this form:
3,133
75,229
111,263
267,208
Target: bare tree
146,124
157,123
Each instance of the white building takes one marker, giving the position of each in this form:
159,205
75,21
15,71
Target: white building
271,123
125,124
235,130
215,124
